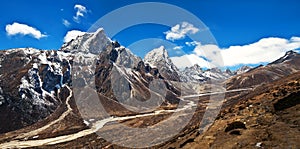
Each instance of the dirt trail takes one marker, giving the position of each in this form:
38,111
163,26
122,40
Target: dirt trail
215,93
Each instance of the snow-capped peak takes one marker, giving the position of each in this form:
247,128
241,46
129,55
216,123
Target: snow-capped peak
157,55
97,42
92,43
243,69
192,74
159,58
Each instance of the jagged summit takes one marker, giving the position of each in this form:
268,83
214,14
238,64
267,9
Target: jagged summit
243,69
192,74
159,58
194,67
92,43
157,55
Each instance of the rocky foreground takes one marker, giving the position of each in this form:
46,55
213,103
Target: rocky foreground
267,117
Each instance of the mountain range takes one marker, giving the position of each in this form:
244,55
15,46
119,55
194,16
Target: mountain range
29,87
34,83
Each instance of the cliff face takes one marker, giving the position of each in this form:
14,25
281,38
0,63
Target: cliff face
29,82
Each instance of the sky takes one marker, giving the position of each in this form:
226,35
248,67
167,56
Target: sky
245,32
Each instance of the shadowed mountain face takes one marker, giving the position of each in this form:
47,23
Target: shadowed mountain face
29,82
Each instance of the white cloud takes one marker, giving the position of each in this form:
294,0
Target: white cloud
210,52
81,11
179,31
23,29
73,34
295,39
193,43
66,23
189,60
177,47
265,50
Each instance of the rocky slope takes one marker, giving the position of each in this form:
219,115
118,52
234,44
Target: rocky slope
29,82
284,66
268,117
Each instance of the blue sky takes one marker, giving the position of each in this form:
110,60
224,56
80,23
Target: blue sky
232,23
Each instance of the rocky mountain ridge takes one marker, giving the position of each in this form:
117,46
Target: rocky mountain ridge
282,67
29,89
